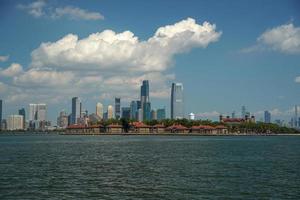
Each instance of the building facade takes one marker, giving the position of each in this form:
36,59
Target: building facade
62,120
76,110
267,117
177,104
126,113
117,108
110,112
145,100
15,122
0,114
99,110
23,113
161,114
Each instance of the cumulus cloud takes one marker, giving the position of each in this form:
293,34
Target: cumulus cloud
123,51
297,79
40,8
284,38
4,58
108,64
13,70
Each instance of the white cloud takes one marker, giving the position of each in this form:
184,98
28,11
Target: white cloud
13,70
36,9
108,64
76,13
297,79
284,38
4,58
40,8
108,50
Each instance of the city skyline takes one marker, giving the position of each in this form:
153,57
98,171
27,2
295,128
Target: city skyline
231,65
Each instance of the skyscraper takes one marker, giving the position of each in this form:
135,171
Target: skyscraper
117,108
244,112
22,112
76,110
62,120
145,102
126,112
161,113
99,110
37,112
110,112
0,114
15,122
177,105
267,117
133,110
296,117
153,115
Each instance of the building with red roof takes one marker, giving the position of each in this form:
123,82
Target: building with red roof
177,128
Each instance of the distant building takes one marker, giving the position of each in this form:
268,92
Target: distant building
177,106
1,114
23,113
134,110
126,113
99,110
62,120
233,114
153,115
76,110
243,112
192,116
117,108
161,114
37,113
145,100
140,115
267,117
15,122
94,118
232,121
3,124
110,112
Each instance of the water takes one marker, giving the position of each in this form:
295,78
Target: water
149,167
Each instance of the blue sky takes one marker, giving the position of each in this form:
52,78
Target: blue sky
251,57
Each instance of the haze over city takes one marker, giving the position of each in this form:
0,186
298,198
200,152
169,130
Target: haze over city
226,56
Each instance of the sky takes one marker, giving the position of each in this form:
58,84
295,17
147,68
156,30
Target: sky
226,53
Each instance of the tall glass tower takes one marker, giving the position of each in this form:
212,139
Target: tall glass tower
76,110
117,108
177,110
145,102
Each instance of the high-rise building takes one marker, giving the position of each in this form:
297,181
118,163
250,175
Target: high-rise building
76,110
126,112
177,105
62,120
99,110
110,112
23,113
233,114
0,114
267,117
117,108
153,115
133,110
37,113
145,101
296,117
161,114
244,112
140,115
15,122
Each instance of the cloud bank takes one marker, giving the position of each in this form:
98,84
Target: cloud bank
106,64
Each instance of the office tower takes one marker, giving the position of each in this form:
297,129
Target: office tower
110,112
161,114
233,114
0,114
117,108
37,112
22,112
267,117
244,112
76,110
133,110
15,122
99,110
153,115
177,110
140,115
62,120
145,102
296,117
126,112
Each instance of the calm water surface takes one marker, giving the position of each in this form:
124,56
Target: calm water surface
149,167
